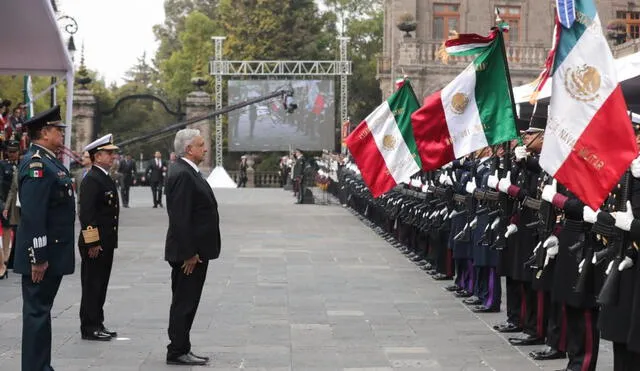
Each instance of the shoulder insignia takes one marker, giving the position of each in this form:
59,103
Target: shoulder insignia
37,164
36,173
37,155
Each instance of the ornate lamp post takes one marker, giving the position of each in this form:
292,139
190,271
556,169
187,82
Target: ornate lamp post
70,26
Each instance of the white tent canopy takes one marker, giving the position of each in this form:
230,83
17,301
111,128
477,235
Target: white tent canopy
33,45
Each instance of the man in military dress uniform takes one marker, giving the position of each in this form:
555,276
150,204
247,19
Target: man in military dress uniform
44,245
99,213
7,168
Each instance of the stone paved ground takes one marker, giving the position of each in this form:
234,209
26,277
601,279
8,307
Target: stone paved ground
298,287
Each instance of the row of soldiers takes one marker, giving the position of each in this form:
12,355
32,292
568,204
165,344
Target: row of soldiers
571,272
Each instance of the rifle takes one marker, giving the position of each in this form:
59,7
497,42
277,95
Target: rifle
505,203
544,225
610,292
469,207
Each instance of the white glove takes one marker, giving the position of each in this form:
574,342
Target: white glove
609,267
635,167
492,181
447,165
520,152
453,213
424,188
504,183
471,186
625,264
589,215
549,191
551,245
624,218
495,223
511,229
443,211
474,222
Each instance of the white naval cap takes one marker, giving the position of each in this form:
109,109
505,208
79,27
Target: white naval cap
101,144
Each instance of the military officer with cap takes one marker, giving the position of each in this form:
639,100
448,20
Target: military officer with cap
44,246
7,168
98,239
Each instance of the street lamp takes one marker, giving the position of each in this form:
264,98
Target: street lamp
70,26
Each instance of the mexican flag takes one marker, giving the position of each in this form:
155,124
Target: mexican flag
589,141
383,145
473,111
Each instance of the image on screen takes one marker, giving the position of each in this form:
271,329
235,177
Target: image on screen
266,126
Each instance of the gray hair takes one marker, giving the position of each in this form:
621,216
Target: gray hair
183,139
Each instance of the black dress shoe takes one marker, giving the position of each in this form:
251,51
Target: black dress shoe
186,360
97,335
453,288
463,294
527,340
547,354
431,272
483,309
421,263
441,277
472,301
507,327
206,359
113,334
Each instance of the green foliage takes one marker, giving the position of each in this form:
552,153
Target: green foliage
272,30
269,162
191,58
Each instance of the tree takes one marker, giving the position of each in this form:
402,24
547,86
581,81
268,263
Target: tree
272,30
176,12
191,59
365,44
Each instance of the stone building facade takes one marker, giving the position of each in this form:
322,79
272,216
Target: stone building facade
531,21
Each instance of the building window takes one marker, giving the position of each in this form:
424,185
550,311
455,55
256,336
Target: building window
631,20
511,15
446,17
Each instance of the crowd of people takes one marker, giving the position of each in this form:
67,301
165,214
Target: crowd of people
42,200
570,273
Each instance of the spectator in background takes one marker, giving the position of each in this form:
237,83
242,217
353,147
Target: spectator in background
127,172
242,172
79,175
156,172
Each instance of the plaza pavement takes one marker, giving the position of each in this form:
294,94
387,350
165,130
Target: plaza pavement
298,287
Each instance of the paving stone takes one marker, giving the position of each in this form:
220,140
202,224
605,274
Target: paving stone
297,288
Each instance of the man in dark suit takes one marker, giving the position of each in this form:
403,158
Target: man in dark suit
99,212
156,171
128,171
45,241
193,238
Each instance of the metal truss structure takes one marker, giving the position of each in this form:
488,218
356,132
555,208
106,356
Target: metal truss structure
301,69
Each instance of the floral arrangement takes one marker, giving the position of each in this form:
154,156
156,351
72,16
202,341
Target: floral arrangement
322,180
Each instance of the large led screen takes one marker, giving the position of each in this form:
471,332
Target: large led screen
266,126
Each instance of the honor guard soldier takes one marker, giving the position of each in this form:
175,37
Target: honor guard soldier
99,212
7,168
44,247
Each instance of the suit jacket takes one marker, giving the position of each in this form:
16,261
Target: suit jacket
155,173
128,171
193,216
99,209
46,229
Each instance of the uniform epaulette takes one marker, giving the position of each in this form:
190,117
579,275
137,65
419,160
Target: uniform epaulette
37,155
